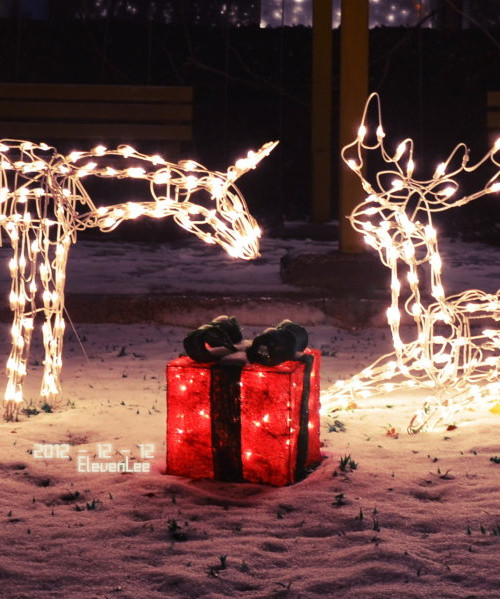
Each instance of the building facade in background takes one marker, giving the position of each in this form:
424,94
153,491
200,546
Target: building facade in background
442,14
391,13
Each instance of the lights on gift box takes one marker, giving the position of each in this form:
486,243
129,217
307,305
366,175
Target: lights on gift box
250,420
451,351
180,385
43,205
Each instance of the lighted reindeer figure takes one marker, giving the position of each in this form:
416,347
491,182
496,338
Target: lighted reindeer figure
43,205
450,350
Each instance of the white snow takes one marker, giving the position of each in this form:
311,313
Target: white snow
418,518
190,265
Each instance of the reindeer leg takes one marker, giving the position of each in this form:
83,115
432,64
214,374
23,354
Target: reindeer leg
379,376
52,329
21,331
391,372
16,365
22,327
53,281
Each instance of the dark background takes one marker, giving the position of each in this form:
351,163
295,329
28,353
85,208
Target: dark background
252,85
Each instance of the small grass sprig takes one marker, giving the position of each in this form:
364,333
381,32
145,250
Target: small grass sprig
339,500
175,531
222,565
347,464
336,427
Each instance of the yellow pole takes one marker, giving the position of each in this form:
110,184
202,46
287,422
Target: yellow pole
321,125
353,93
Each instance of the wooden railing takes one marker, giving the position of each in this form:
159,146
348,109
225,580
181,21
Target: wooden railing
103,114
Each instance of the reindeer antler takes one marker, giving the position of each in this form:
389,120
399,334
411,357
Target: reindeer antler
437,192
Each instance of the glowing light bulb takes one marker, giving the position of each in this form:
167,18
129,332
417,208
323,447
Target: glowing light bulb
109,222
162,176
416,309
440,170
136,172
393,315
216,187
438,291
399,151
74,156
412,278
430,233
361,132
12,265
436,262
191,182
126,151
189,165
156,159
134,210
447,192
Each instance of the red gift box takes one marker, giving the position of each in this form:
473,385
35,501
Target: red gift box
243,423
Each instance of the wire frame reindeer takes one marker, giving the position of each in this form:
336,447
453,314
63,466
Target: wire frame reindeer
453,349
43,205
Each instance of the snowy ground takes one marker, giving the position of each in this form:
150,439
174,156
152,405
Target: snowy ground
419,517
189,265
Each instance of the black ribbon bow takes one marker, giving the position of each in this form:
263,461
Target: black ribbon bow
222,336
210,342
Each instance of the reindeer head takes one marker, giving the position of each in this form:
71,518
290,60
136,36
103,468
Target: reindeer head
396,215
205,203
210,205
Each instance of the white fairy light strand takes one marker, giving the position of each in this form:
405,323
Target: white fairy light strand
43,205
453,353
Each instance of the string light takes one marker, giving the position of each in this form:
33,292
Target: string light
452,351
43,205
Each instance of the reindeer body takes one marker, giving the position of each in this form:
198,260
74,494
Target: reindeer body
446,352
43,204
